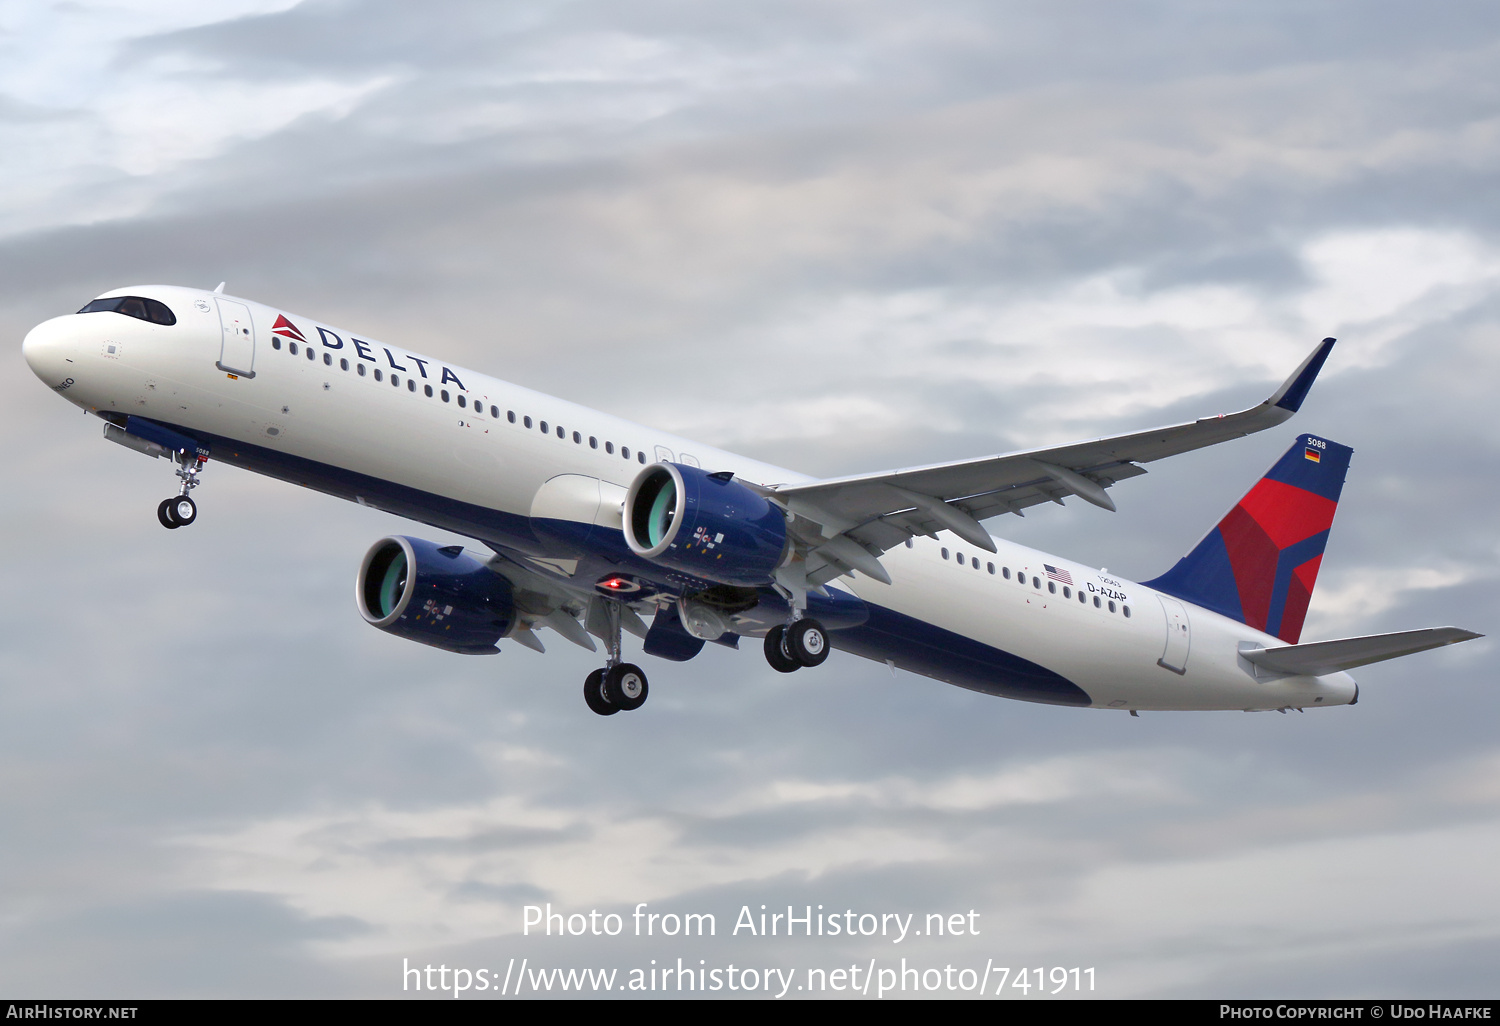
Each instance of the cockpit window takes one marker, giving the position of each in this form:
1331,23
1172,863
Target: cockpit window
134,306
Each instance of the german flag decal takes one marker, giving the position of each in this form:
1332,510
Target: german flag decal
1313,455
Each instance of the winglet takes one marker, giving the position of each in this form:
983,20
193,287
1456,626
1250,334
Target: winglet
1291,393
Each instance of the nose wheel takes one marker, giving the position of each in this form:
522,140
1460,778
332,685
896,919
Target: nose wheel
181,510
178,512
618,687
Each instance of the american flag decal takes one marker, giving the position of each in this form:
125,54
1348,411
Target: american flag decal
1060,576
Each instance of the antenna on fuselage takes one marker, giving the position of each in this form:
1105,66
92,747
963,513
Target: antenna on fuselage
220,289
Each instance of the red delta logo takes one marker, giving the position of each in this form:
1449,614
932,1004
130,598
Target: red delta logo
1275,539
286,329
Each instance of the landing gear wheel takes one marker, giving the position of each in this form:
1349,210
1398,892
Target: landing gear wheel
625,686
593,694
164,514
183,510
807,642
776,655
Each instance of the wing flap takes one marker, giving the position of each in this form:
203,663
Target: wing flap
1321,657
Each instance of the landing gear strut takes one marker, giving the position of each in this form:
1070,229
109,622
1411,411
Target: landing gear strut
803,642
620,686
181,510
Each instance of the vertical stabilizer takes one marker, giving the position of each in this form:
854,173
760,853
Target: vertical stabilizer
1260,563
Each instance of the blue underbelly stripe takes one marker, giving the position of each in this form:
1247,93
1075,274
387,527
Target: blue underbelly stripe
954,659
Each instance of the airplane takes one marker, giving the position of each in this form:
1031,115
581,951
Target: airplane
590,525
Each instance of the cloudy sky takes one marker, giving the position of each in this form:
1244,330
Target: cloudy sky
835,236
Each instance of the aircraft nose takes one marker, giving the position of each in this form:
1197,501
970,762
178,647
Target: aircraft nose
48,347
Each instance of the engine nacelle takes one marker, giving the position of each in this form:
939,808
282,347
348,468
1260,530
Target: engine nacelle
707,525
436,595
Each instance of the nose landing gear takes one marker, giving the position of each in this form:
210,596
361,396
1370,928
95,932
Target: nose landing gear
620,686
181,510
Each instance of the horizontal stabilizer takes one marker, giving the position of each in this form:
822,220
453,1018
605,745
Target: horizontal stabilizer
1322,657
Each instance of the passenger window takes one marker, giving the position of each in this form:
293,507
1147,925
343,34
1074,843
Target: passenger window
1126,611
1067,591
426,389
445,395
593,442
543,425
361,367
495,413
625,451
395,381
561,433
1036,582
961,560
510,415
609,447
577,438
378,375
460,402
1052,587
910,544
1111,607
310,354
1005,572
1083,598
640,457
343,364
528,421
275,341
411,384
327,359
1097,603
945,553
292,349
991,568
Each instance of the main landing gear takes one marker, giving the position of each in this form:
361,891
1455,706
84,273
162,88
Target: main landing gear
619,686
181,510
801,643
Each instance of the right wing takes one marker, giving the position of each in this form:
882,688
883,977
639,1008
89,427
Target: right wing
848,522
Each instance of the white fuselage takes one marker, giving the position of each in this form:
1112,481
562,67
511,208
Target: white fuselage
491,452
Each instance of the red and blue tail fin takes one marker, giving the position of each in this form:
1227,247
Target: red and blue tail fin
1258,566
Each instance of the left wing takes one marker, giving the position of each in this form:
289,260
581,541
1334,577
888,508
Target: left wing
844,524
